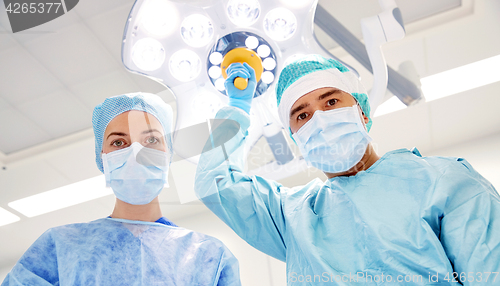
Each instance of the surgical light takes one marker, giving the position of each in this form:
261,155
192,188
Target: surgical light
148,54
243,12
269,63
215,58
252,42
207,103
185,65
267,77
197,30
263,51
159,17
214,72
280,24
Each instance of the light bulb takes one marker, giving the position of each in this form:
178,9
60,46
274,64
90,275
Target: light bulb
214,72
251,42
185,65
243,12
263,51
215,58
148,54
159,17
267,77
280,24
197,30
219,84
269,63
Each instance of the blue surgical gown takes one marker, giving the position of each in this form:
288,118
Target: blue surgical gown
123,252
416,219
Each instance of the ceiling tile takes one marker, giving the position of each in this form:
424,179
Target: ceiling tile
90,8
23,78
6,41
108,28
58,114
146,84
18,132
464,116
74,55
94,91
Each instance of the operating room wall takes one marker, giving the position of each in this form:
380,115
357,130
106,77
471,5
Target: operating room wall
453,126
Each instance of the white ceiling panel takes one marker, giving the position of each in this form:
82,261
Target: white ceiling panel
67,161
59,113
94,91
471,114
6,40
23,78
73,55
110,33
17,131
15,188
90,8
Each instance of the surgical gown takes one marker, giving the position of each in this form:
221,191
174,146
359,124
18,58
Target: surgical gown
122,252
407,220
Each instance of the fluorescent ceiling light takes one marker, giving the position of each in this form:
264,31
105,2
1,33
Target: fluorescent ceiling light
62,197
7,217
461,79
391,105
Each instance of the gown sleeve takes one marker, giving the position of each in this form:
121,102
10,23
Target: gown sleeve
470,225
251,205
229,272
37,266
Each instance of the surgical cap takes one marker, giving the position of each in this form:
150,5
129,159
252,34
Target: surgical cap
116,105
313,72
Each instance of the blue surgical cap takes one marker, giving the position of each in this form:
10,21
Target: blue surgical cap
116,105
312,72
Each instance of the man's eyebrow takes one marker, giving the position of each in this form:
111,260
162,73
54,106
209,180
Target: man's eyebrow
150,131
117,134
298,108
328,93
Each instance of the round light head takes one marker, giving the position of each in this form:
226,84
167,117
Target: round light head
148,54
243,12
197,30
159,18
280,24
185,65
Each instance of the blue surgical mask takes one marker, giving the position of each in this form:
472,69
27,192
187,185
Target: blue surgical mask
334,140
136,174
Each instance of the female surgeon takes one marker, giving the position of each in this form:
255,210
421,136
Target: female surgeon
135,245
399,219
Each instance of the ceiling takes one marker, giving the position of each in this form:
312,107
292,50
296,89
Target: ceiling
52,76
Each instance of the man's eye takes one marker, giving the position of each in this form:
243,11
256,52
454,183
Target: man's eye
302,116
331,101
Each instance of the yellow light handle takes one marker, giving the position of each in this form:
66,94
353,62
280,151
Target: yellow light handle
240,83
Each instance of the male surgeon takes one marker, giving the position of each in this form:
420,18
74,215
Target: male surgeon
400,219
135,245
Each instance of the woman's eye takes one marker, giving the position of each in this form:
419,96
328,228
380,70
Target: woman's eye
302,116
152,140
332,101
117,143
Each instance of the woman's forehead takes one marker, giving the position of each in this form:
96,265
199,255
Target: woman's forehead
134,121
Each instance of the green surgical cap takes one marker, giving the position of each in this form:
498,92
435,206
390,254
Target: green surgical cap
327,73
